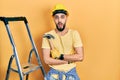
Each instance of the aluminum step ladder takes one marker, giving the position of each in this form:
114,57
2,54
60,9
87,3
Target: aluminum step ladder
22,69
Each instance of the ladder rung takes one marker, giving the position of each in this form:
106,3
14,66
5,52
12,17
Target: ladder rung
27,68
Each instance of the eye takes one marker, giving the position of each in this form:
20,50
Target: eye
62,16
56,17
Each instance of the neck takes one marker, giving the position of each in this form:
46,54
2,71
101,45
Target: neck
62,33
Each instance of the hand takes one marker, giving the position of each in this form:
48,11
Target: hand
55,53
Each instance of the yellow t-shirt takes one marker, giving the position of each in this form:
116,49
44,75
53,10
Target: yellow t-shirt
65,45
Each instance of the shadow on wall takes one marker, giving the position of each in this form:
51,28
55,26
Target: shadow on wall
47,18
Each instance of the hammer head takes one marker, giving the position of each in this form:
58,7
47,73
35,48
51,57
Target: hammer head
48,36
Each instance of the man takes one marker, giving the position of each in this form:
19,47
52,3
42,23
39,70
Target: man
61,48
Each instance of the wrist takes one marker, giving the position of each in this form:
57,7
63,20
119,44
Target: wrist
61,57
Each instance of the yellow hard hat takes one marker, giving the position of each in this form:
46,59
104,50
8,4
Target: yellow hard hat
59,8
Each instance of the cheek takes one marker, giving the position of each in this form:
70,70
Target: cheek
55,20
64,21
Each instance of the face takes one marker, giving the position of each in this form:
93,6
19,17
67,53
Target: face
60,21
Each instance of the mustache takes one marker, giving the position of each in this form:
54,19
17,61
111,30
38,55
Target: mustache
59,23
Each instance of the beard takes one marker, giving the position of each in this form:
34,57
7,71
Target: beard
60,29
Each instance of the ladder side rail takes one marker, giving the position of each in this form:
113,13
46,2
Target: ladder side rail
9,67
14,48
35,49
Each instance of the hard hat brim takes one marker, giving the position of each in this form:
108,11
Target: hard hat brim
59,11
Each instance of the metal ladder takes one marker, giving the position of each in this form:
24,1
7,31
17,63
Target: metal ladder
22,70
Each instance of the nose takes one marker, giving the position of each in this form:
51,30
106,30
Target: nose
59,19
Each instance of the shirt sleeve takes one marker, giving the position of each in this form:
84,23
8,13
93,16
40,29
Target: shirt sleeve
45,43
77,39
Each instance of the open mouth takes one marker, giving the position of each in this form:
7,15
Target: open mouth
60,24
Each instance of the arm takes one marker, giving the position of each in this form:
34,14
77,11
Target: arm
78,56
50,61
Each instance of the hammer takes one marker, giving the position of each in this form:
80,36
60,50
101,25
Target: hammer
49,37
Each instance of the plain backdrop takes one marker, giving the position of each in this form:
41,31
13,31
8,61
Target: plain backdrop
97,21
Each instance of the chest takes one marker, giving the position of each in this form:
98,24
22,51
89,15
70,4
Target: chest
63,43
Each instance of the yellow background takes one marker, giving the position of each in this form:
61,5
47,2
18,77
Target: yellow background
98,22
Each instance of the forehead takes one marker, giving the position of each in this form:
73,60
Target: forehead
60,14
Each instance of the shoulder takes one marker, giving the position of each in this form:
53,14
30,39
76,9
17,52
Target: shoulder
50,32
74,31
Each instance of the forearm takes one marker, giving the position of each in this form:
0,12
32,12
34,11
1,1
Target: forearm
51,61
73,57
77,56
